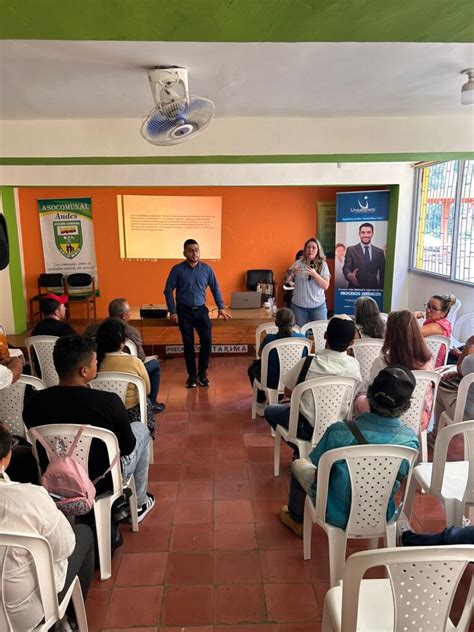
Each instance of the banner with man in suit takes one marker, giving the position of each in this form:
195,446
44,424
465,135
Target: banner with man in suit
361,229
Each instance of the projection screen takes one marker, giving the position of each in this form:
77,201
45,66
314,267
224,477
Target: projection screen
155,226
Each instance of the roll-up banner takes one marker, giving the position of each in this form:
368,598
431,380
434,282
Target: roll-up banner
361,241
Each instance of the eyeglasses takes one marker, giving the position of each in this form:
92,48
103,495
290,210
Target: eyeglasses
14,443
432,308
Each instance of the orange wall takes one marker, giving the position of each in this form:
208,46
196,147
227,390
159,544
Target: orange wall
262,227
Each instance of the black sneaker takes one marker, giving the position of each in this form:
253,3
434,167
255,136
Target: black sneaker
147,507
203,380
158,407
191,382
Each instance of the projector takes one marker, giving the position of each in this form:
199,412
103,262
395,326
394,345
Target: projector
153,311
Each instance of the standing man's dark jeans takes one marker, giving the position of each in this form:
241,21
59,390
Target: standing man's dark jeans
190,319
451,535
153,369
81,560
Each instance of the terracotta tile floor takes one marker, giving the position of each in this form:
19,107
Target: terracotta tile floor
213,556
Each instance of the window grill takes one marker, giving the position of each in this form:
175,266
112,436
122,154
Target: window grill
443,242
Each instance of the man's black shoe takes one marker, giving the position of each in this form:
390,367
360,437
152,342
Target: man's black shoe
203,380
191,382
158,407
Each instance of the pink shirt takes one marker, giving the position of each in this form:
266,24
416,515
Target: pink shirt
445,326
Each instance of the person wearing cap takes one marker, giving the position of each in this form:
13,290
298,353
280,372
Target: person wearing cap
333,360
53,312
389,397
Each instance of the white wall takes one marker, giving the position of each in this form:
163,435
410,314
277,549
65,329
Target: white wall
240,136
322,174
421,287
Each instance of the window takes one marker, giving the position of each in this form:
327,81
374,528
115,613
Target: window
442,242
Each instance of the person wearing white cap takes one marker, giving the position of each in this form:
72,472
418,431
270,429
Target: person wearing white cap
53,312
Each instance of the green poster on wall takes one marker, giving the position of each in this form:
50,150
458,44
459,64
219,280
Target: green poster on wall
327,226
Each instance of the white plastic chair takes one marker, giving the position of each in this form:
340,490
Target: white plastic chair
463,391
450,481
131,346
463,329
117,382
290,351
453,312
373,469
43,349
416,596
366,350
43,578
412,417
11,403
264,329
435,343
103,503
317,328
261,331
332,400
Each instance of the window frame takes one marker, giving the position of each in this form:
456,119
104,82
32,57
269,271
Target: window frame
456,225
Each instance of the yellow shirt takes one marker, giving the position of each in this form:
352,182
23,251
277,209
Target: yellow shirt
125,363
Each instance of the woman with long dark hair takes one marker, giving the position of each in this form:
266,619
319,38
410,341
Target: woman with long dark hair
368,321
110,339
403,346
311,277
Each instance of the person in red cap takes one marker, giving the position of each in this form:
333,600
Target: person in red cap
53,313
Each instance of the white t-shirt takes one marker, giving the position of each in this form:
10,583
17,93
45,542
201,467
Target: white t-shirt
26,508
325,363
6,376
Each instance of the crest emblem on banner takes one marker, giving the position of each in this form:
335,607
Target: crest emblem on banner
68,238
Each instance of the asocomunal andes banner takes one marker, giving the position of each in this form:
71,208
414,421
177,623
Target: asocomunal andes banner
361,241
68,236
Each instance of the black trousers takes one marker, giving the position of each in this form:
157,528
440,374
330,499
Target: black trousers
190,319
81,561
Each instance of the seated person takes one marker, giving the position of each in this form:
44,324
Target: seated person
285,321
389,397
111,338
368,321
436,322
10,371
53,314
450,535
333,360
28,509
74,402
119,308
446,398
403,345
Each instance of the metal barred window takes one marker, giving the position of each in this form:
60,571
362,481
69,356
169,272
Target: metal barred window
443,243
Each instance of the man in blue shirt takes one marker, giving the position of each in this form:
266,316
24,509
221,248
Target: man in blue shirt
190,280
389,397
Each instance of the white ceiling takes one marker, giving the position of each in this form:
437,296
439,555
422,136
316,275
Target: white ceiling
81,80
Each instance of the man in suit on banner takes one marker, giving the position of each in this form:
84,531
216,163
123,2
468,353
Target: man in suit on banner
364,263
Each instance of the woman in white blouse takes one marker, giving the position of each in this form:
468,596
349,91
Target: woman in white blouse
26,508
311,277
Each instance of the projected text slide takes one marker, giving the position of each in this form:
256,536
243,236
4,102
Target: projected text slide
155,226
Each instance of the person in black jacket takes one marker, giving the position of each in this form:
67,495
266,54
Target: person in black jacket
53,313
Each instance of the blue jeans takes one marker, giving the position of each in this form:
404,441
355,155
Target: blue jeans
305,315
279,415
451,535
153,369
137,461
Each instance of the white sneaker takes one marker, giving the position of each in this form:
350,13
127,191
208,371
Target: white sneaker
260,409
403,524
147,507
